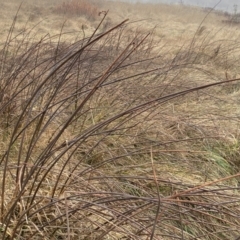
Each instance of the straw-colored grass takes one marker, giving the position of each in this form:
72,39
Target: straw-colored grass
119,130
78,7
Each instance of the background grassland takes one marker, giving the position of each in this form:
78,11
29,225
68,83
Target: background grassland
114,129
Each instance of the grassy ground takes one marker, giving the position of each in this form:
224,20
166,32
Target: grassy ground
114,129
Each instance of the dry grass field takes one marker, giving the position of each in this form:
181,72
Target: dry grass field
118,121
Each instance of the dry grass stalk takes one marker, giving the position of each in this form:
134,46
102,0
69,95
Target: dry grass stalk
100,140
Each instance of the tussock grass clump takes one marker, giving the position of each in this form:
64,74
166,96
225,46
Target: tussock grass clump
100,140
78,8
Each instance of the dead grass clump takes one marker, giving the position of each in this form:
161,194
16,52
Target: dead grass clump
109,140
78,8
